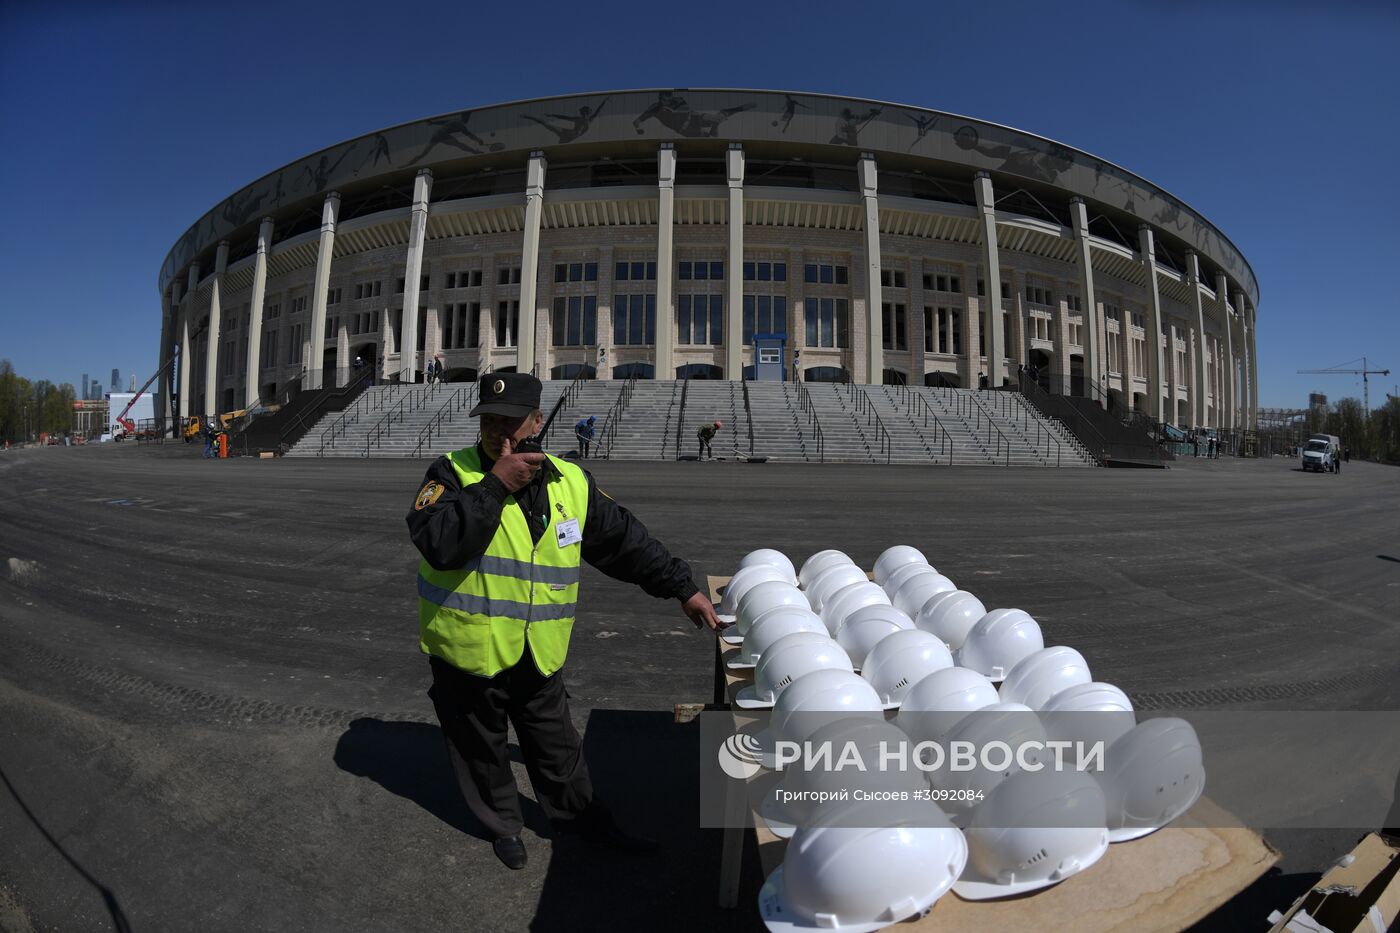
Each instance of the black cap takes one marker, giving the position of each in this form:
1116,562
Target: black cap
514,395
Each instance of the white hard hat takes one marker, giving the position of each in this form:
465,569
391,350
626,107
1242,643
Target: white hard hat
896,557
772,625
1151,775
863,630
918,589
900,575
851,879
759,599
741,583
900,660
1088,713
1036,829
870,738
788,659
936,704
1038,677
841,604
772,558
998,640
814,565
831,580
950,615
813,700
1014,724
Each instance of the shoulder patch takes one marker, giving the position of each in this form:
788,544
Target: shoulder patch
428,495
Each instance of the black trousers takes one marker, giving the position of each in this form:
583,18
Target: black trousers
474,712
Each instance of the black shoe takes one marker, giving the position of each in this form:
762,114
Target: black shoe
511,851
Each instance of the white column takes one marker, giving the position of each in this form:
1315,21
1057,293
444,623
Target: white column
1148,250
1227,370
1079,217
164,388
314,348
665,266
991,269
1198,389
874,295
184,379
212,335
734,278
255,313
413,273
1251,348
529,263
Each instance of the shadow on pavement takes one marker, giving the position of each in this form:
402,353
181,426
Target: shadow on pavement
410,759
644,767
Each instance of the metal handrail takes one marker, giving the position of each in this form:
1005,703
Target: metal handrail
865,406
913,399
748,412
805,404
981,399
1090,439
300,420
612,420
680,416
445,414
564,401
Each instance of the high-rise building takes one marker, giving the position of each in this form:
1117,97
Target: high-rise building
116,380
83,388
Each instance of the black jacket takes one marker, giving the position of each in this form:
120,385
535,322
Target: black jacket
461,522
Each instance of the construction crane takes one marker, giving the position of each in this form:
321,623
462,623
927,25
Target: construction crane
1365,371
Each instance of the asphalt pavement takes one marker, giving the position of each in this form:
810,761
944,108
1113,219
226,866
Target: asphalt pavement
213,710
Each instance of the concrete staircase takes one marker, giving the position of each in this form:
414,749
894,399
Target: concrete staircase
922,425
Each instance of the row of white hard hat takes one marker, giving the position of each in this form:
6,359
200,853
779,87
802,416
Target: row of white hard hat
858,868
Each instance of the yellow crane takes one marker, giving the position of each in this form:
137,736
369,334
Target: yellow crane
1365,371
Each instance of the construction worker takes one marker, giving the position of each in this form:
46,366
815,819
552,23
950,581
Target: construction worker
502,532
585,431
705,434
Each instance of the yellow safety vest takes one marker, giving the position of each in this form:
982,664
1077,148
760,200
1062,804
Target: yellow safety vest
479,616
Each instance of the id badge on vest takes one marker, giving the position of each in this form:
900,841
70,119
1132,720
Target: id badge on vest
567,533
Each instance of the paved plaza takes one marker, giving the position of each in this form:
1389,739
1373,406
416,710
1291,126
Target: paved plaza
212,704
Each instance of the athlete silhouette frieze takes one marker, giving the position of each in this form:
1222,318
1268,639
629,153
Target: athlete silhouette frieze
673,111
569,128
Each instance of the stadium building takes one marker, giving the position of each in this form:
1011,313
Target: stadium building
712,234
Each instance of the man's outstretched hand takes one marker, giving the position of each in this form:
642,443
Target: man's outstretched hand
702,612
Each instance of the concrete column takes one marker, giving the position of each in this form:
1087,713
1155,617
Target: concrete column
182,303
606,267
918,356
1251,348
488,312
874,295
734,269
991,269
413,273
665,272
1198,387
529,262
212,336
164,387
1093,354
255,314
1062,354
970,364
1227,372
1173,375
1017,338
1148,250
343,363
314,344
544,292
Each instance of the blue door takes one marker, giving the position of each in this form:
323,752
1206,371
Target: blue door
768,357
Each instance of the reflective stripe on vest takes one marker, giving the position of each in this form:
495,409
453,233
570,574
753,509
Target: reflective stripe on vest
479,616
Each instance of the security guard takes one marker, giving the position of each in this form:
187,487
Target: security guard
502,533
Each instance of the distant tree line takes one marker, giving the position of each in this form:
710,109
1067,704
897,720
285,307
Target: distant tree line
28,409
1373,438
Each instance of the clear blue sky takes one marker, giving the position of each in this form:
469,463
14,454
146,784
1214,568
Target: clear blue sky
123,122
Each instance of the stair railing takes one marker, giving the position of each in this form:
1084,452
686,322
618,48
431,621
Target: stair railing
809,407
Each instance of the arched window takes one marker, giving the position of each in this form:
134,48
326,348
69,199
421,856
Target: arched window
570,371
894,377
699,371
942,380
640,370
826,374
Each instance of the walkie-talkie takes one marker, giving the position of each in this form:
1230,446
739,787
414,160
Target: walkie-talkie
530,445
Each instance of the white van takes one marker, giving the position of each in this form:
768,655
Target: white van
1323,453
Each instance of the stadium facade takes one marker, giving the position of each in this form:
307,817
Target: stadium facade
715,234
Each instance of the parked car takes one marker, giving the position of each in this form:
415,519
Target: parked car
1323,453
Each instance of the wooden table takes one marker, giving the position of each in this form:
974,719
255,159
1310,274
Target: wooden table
1165,881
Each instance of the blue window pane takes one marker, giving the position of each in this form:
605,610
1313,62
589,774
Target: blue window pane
651,319
683,319
634,322
748,319
575,272
748,271
638,270
716,322
575,321
651,271
840,275
684,270
590,320
810,273
557,325
764,322
559,272
826,275
843,337
620,273
590,272
810,316
779,272
620,320
828,322
765,272
701,270
716,270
